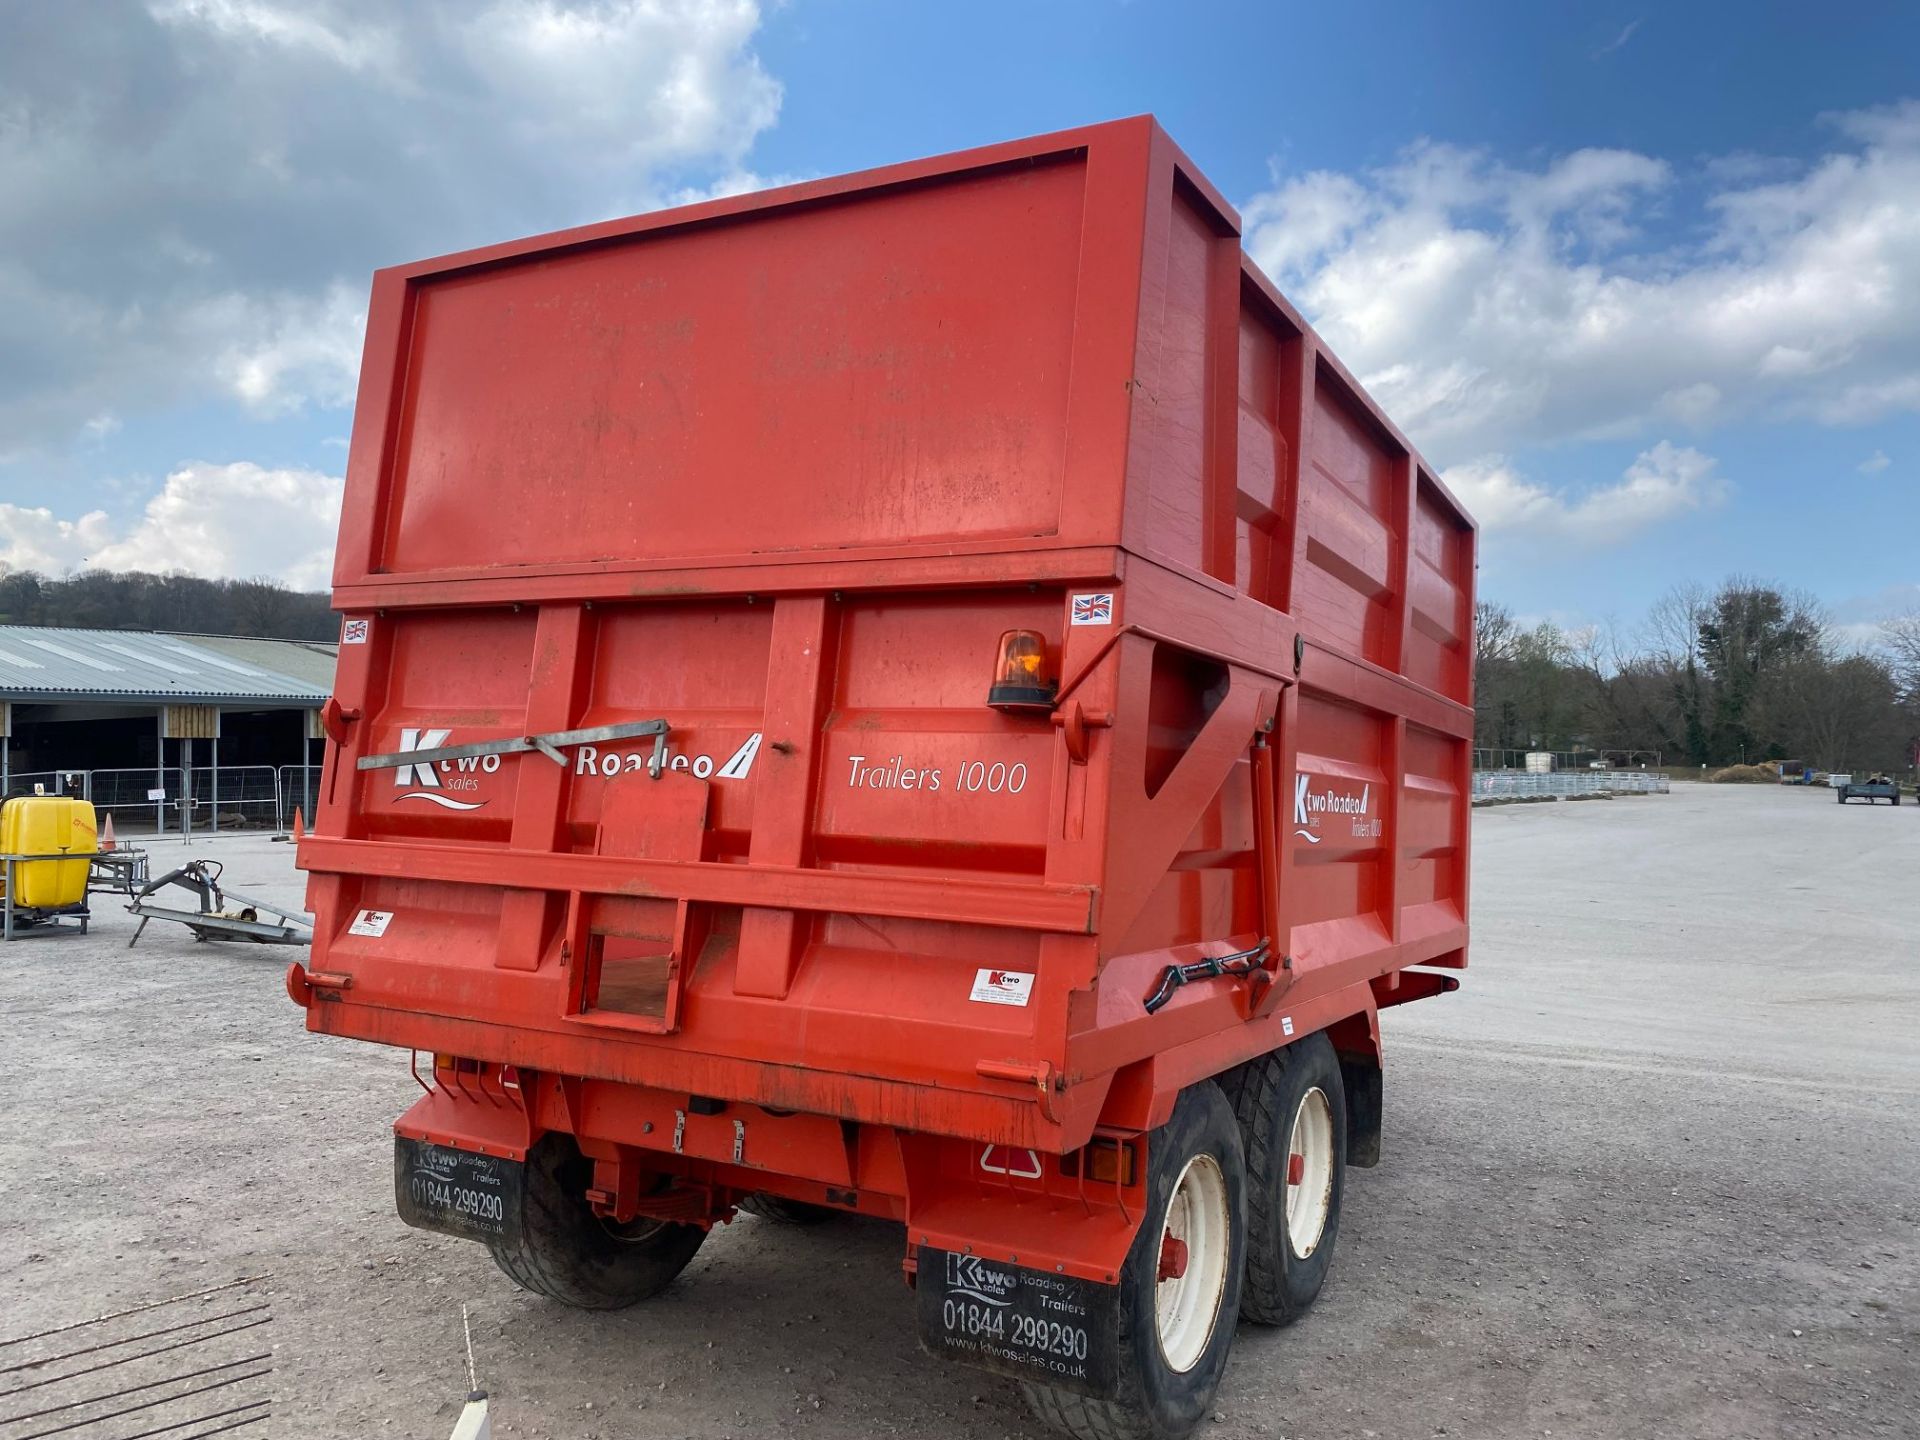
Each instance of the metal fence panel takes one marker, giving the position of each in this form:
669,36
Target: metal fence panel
1515,784
299,790
228,797
236,797
21,782
124,794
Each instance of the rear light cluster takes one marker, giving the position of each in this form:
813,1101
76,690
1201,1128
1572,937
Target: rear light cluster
1107,1161
450,1070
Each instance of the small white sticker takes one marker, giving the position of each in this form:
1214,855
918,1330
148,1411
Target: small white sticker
1286,1024
1002,987
156,794
371,922
354,632
1092,609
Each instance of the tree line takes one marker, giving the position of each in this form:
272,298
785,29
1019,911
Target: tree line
136,600
1746,673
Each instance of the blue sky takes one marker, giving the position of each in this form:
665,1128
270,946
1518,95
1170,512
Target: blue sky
1644,281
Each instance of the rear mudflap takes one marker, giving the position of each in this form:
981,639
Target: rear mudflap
1036,1325
459,1154
458,1192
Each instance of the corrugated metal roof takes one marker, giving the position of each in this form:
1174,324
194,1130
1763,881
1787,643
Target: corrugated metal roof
308,660
46,663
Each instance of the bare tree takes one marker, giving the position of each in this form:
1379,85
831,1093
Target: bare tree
1901,636
1494,633
1672,631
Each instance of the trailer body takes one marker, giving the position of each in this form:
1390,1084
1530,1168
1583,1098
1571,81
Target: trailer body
1874,787
664,800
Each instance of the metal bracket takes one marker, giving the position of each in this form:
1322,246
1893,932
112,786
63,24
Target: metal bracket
739,1142
679,1131
548,744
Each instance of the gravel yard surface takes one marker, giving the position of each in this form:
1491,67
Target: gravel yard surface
1654,1171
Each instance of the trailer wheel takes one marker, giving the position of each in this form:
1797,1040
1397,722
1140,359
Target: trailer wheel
1179,1286
786,1212
1292,1106
567,1253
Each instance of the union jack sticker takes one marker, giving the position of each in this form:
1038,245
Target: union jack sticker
354,632
1093,609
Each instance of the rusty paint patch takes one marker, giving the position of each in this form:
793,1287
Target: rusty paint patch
640,590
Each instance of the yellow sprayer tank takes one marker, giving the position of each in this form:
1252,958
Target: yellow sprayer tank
49,825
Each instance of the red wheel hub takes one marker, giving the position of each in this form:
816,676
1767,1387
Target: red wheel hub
1173,1258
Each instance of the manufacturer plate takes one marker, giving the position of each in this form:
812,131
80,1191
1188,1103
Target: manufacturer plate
1001,987
1031,1324
371,923
436,1187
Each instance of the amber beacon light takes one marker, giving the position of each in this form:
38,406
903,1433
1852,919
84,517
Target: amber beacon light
1020,679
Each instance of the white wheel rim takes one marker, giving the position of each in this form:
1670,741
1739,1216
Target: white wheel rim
1309,1172
1187,1304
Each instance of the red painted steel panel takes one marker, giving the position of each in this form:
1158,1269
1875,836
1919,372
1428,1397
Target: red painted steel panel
780,470
878,371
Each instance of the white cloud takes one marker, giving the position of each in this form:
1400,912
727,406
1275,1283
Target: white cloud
196,191
1618,41
237,520
734,182
278,352
642,81
34,538
1662,483
1874,463
1857,621
355,46
1490,308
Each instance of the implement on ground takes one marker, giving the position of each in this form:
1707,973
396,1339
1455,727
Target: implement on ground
1875,787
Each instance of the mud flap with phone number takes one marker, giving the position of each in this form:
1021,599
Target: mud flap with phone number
1030,1324
456,1192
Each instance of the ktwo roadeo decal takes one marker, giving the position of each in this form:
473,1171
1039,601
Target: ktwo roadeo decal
445,782
1317,797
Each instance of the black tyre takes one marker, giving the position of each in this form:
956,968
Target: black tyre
1292,1107
787,1212
567,1253
1175,1333
1842,794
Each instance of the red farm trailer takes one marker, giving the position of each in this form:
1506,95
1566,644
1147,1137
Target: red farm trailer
928,693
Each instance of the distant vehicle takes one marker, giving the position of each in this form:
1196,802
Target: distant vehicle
1874,787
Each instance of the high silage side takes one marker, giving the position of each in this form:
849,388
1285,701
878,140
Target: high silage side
875,695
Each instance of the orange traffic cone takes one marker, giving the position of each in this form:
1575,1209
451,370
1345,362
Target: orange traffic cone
107,842
299,826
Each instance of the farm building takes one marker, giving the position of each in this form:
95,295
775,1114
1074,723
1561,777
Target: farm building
161,730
